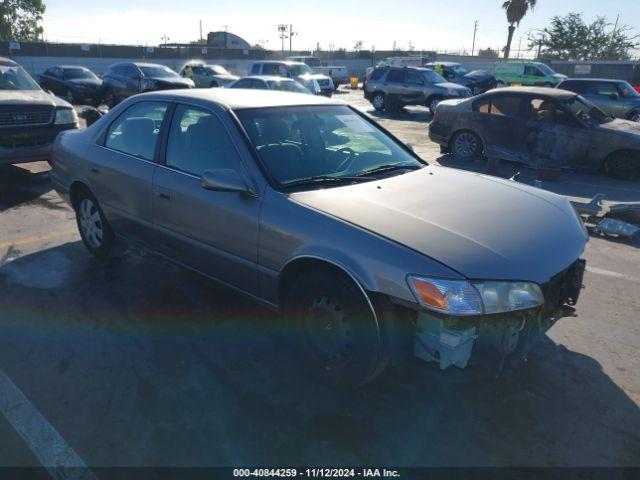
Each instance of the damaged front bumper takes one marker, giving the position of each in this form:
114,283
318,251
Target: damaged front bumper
498,340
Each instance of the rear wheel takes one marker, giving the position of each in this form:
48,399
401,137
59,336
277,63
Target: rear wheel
95,231
335,329
379,101
466,145
623,166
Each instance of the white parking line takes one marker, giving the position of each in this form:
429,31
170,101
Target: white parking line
60,460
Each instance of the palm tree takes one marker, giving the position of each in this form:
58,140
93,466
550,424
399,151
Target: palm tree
516,10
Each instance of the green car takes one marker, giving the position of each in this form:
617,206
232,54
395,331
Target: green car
533,74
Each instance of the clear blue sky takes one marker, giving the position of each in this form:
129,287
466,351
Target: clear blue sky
427,24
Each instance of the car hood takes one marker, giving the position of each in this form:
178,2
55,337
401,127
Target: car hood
451,86
482,227
619,125
314,76
90,82
31,97
478,75
177,82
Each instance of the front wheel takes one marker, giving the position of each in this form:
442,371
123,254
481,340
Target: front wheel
336,331
623,166
433,104
69,96
95,231
635,116
466,145
213,84
378,101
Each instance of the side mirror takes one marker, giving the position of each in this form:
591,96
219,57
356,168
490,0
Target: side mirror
614,96
409,146
224,180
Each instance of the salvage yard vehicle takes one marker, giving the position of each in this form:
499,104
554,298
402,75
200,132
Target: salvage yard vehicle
532,74
74,84
391,88
316,83
208,76
313,209
478,81
541,127
122,80
337,74
270,83
30,118
614,97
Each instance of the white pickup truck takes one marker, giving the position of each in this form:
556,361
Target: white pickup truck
337,74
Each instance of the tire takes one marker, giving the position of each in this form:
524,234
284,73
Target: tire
110,99
214,84
634,116
95,231
433,104
335,330
623,166
379,101
69,96
466,145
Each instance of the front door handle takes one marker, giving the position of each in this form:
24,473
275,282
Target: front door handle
94,170
163,195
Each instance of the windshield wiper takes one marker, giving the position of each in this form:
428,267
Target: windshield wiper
389,168
320,179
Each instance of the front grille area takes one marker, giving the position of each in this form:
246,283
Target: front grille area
17,118
26,141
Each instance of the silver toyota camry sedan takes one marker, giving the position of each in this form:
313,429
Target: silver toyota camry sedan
311,208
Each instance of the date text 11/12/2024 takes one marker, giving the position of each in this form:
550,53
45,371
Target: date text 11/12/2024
316,473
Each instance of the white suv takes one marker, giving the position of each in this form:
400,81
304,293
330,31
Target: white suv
316,83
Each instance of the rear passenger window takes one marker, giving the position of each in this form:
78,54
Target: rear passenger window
396,76
256,68
502,106
135,132
199,142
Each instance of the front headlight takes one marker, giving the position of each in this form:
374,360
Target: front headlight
66,116
463,298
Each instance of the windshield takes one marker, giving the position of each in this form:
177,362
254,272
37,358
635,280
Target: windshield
460,70
323,142
586,110
158,72
15,78
297,70
432,77
546,69
284,86
77,73
627,90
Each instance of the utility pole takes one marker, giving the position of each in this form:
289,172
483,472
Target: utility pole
291,34
475,29
282,28
201,42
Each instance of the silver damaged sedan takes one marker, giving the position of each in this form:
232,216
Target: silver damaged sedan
311,208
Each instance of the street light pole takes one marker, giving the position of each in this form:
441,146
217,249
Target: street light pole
475,29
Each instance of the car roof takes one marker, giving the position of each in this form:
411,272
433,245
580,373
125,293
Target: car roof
70,66
270,78
592,80
280,62
446,64
7,62
538,91
239,99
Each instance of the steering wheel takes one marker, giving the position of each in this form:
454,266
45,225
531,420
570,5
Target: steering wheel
347,162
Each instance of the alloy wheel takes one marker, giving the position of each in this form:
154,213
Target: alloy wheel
433,105
378,102
465,145
91,223
635,117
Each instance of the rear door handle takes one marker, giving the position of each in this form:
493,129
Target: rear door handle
94,170
163,195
